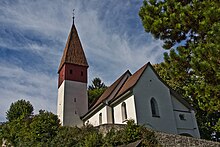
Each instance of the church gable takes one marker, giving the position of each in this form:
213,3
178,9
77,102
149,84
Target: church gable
153,75
149,80
153,102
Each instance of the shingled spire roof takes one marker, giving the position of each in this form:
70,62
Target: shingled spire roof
73,52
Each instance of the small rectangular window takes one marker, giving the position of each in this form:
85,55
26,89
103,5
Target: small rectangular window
124,111
71,71
100,118
74,99
182,117
81,73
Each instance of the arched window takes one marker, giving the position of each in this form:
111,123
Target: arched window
124,111
154,108
100,118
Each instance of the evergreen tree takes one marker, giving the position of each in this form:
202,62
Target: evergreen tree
190,30
95,90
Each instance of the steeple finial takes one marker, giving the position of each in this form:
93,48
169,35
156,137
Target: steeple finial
73,15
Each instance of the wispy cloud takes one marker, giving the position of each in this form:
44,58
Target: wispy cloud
35,86
33,35
112,44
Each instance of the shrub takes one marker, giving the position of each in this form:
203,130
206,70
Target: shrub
130,133
66,136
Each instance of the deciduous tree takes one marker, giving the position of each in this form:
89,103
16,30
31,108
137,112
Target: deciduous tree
24,129
44,127
19,109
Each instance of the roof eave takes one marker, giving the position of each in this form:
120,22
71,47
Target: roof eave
115,100
110,103
91,111
87,66
183,101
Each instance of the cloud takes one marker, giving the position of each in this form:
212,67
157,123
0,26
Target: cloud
113,50
33,35
35,86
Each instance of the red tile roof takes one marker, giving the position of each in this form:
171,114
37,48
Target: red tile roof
110,90
73,52
131,81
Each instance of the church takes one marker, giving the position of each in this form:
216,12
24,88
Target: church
142,96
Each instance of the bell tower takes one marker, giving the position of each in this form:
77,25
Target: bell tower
72,83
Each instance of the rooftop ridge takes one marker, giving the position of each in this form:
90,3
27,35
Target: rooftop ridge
109,90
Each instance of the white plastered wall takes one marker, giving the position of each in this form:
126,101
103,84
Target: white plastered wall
189,124
147,87
94,119
130,107
60,102
72,102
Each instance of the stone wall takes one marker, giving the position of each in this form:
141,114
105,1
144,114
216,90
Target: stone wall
168,140
106,127
172,140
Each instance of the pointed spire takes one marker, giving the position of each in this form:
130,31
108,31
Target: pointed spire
73,52
73,15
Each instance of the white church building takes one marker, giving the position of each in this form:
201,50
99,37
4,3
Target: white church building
142,96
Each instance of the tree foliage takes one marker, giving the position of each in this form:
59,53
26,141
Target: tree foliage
89,136
24,129
44,126
97,84
95,90
191,32
66,136
19,109
44,129
130,133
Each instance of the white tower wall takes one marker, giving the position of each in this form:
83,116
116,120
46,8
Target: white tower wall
72,102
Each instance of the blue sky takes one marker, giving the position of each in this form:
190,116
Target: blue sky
33,35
